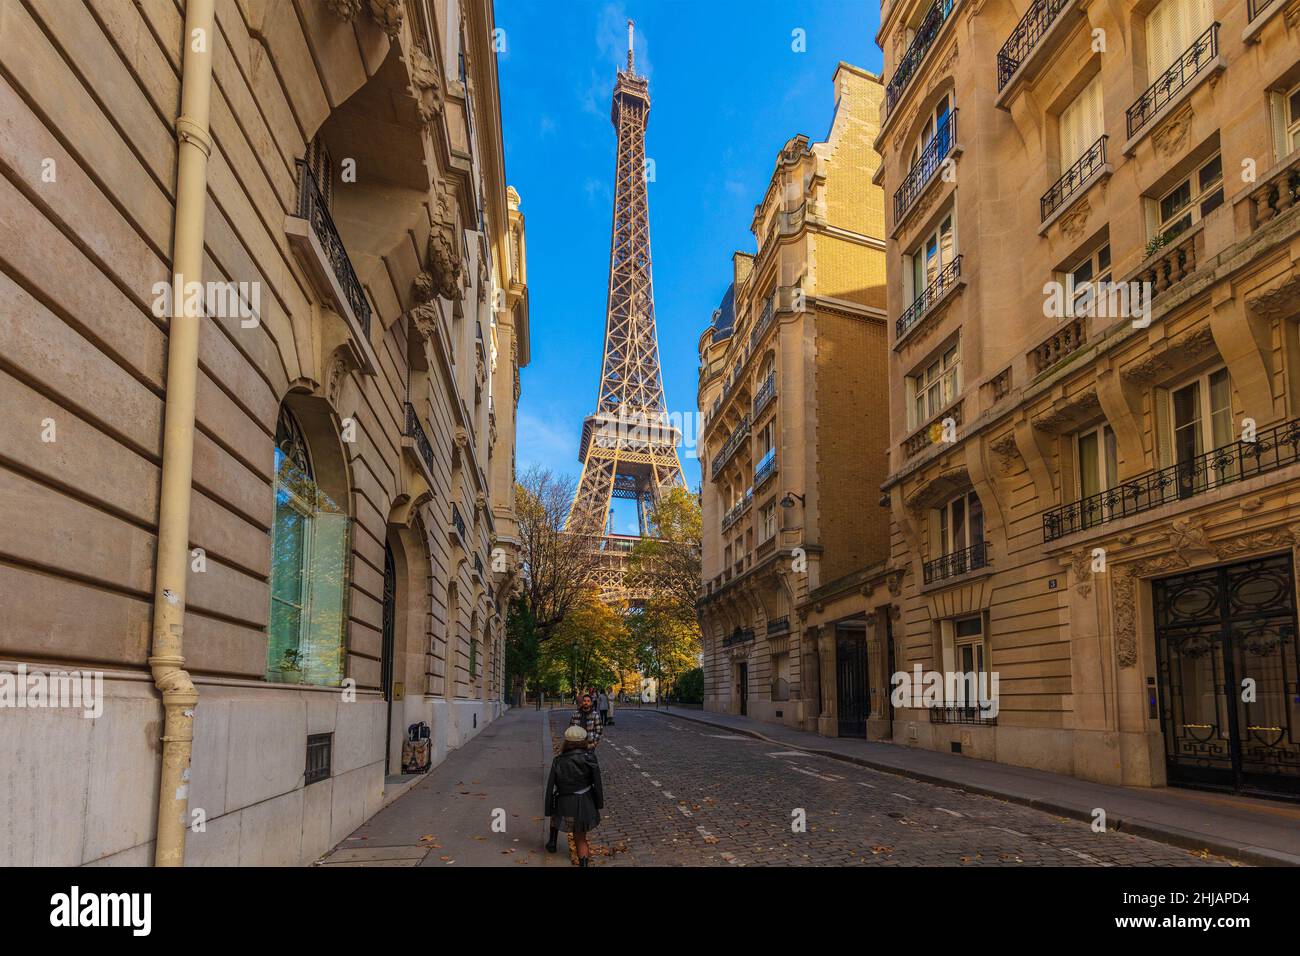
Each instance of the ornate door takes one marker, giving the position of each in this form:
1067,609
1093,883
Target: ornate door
853,700
1226,644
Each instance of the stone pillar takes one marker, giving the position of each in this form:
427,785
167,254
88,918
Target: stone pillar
828,724
809,678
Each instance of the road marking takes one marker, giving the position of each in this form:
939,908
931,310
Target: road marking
645,773
951,813
811,773
685,812
635,764
656,784
669,795
632,750
726,736
906,797
788,753
867,785
1083,856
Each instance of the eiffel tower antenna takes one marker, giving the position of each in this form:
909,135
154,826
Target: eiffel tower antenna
628,449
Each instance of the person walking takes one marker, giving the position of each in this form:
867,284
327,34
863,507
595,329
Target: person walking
574,793
588,718
602,704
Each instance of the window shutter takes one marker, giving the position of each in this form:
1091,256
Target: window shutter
1277,116
1164,437
1081,123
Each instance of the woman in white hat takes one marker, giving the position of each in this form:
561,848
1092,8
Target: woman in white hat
574,795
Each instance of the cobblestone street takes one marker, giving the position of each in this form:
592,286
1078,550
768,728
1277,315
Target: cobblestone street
679,793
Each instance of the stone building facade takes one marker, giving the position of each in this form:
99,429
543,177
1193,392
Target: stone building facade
1094,491
350,521
793,384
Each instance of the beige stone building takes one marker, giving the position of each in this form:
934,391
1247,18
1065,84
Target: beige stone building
793,388
1093,500
339,503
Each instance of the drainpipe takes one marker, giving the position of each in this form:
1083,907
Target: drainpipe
166,660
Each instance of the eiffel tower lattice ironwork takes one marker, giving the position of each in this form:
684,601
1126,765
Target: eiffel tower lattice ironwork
628,448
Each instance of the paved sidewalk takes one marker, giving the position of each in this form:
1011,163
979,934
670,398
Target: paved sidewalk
447,818
1261,832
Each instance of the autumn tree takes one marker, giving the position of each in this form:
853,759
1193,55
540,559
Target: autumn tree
591,641
668,561
556,566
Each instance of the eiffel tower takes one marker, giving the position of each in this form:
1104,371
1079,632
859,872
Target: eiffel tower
628,448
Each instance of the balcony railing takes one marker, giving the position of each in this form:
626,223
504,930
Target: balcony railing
1170,266
931,294
1253,8
766,392
1272,449
911,61
963,714
923,438
932,157
1065,340
416,431
766,467
1033,26
1278,194
1072,179
741,635
1194,59
780,625
313,208
764,320
732,445
478,565
457,520
739,508
959,562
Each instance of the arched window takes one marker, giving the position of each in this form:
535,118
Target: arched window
309,546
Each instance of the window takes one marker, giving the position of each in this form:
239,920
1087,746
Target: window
935,252
1095,454
1087,275
959,524
1193,420
309,548
936,124
1285,110
767,437
1293,120
1172,27
322,170
1196,196
768,514
473,658
936,387
1081,123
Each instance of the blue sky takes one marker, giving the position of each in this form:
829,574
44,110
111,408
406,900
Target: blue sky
726,92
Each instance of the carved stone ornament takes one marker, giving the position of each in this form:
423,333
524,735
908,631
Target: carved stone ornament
1171,138
1188,537
442,271
1067,414
483,278
388,14
424,319
1007,452
428,86
344,9
1123,594
334,378
1180,351
1282,302
1074,222
1081,566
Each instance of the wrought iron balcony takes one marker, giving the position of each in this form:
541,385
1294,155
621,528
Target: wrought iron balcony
962,714
741,635
414,430
766,392
1072,179
478,565
911,61
780,625
732,445
1033,26
931,159
959,562
457,520
764,320
930,295
1195,58
313,208
739,508
766,467
1272,449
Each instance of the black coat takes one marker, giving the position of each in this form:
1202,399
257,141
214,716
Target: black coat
574,791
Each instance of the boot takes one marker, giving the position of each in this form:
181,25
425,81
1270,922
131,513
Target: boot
550,844
582,860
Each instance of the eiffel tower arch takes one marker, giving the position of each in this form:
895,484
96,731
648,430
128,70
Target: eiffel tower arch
628,448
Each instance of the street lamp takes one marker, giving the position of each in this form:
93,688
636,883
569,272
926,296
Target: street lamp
788,500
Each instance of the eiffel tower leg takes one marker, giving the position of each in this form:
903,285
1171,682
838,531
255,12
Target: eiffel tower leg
589,513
